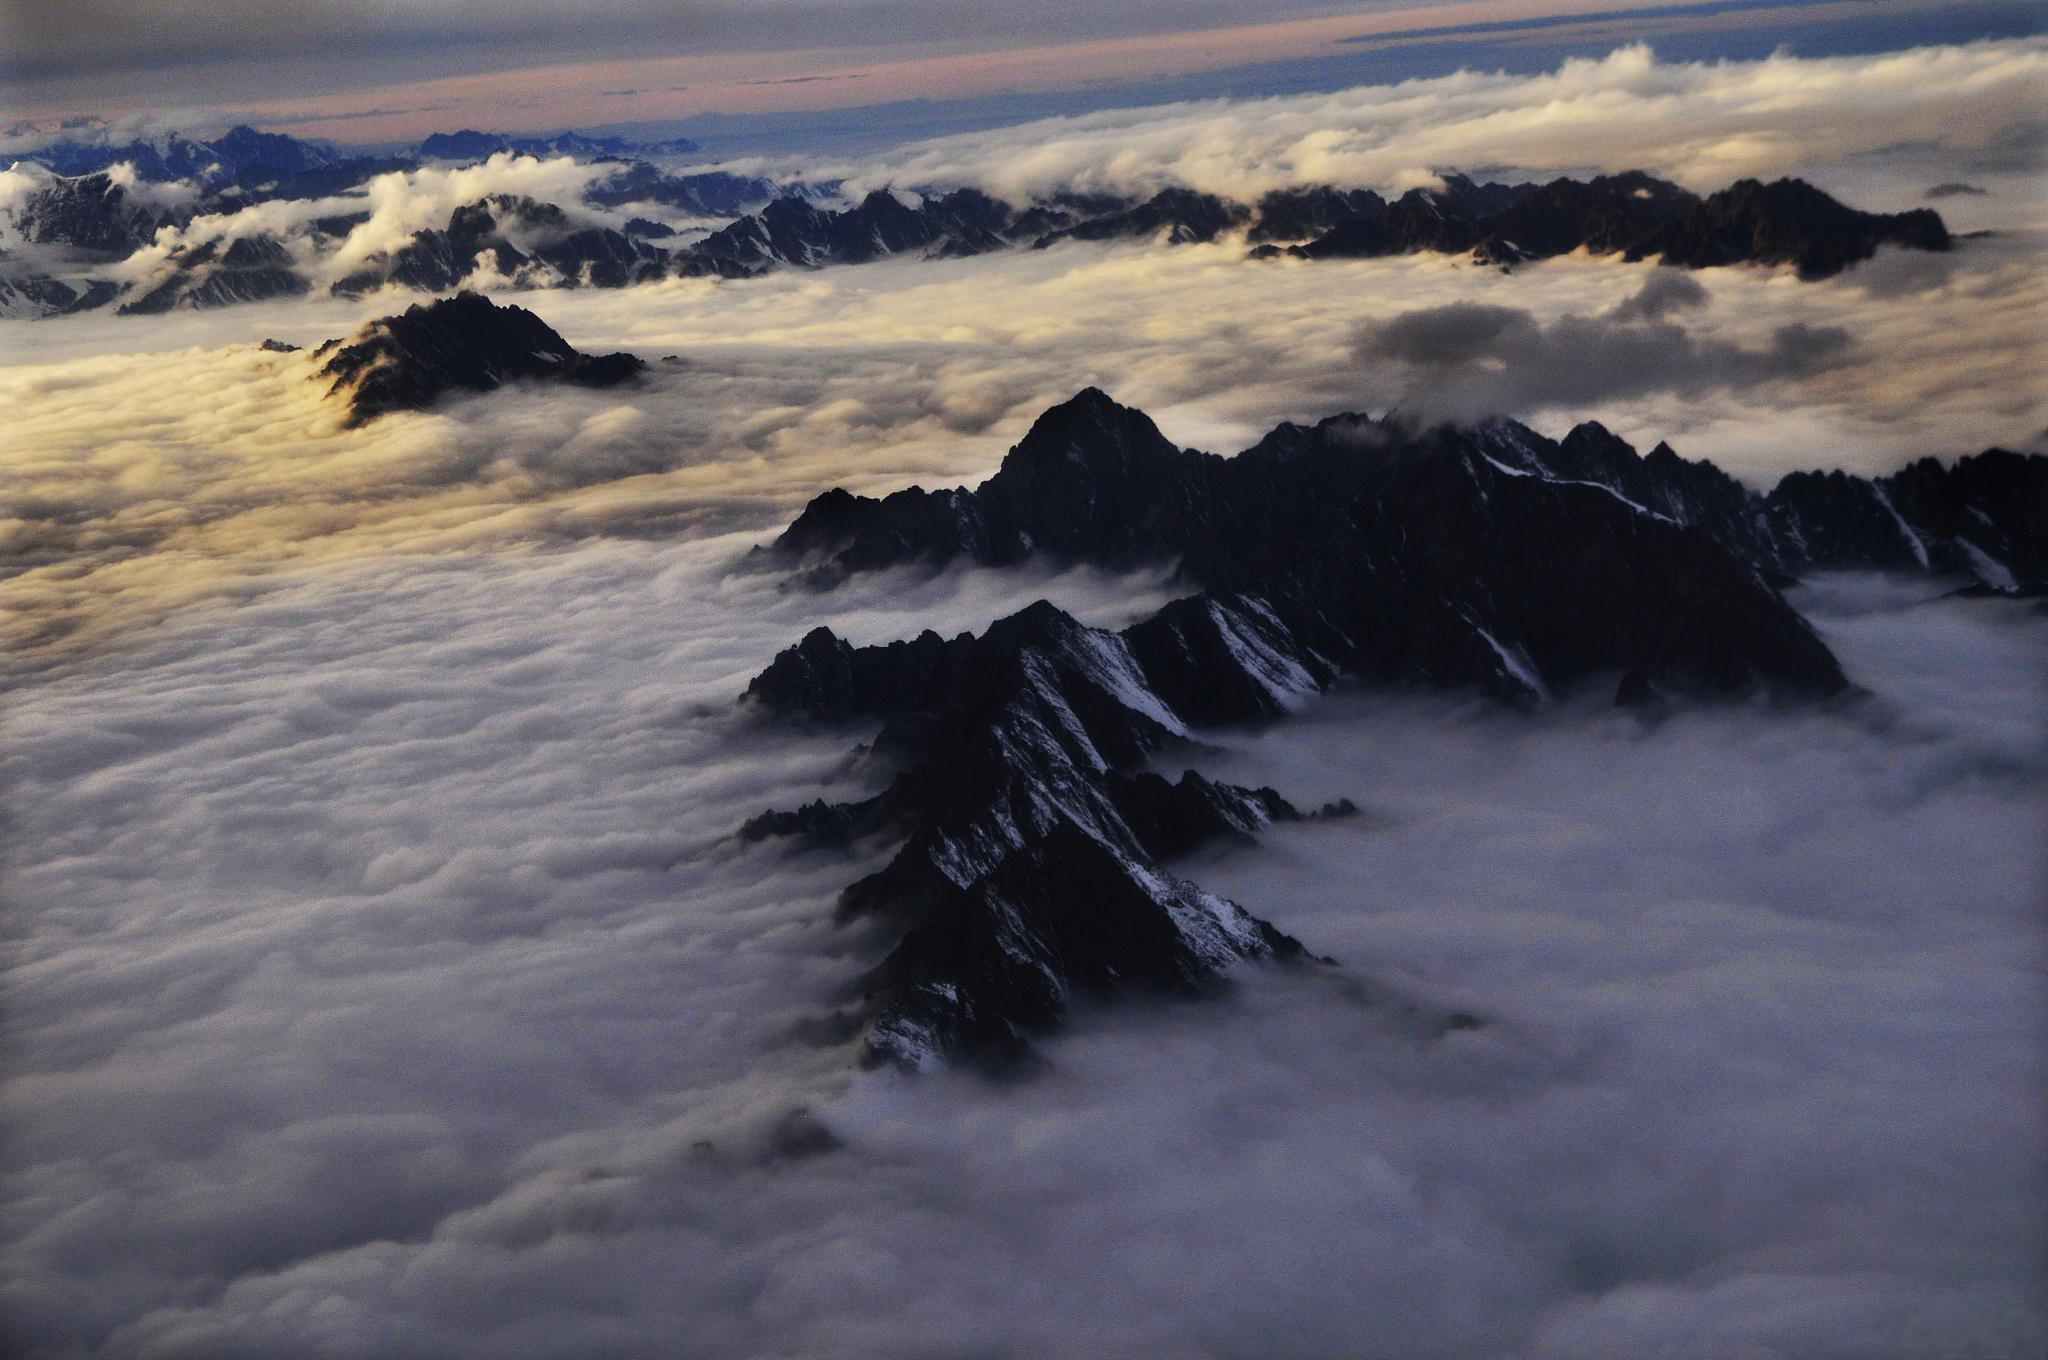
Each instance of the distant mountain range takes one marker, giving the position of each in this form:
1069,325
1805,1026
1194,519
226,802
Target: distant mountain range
246,157
242,155
469,145
1033,837
639,221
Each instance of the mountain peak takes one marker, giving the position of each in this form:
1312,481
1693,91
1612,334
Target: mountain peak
1091,407
1037,624
465,342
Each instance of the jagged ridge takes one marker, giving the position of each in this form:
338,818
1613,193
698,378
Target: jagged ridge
1095,481
1033,835
1031,865
1404,557
547,245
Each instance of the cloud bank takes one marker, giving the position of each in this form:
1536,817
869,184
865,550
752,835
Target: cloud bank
1472,360
1703,124
164,460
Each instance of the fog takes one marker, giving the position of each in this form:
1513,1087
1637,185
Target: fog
387,982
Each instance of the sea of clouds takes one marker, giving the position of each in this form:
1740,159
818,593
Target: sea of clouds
384,978
157,461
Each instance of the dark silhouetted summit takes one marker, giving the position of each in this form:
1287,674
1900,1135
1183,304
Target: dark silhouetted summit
463,343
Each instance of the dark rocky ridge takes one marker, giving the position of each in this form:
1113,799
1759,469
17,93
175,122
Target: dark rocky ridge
1636,215
549,245
462,343
92,213
1633,214
1351,547
1094,481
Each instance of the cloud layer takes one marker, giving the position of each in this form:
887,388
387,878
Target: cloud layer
386,982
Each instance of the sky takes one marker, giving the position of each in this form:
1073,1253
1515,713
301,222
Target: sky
741,72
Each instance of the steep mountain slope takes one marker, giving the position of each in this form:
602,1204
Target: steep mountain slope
1031,865
93,212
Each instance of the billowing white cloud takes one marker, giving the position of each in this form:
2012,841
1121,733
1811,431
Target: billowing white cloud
1701,123
406,201
398,204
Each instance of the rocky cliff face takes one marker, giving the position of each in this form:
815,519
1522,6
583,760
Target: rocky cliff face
93,213
1984,516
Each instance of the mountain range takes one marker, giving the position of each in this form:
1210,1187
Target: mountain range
1035,835
638,222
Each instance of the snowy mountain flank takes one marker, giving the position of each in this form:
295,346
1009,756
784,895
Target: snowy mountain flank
1034,833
